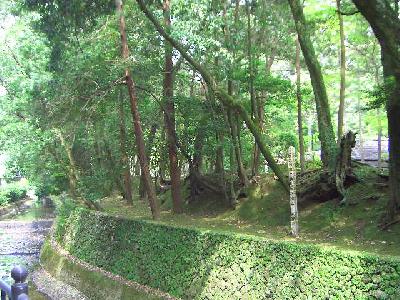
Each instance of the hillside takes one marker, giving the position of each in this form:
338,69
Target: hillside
266,213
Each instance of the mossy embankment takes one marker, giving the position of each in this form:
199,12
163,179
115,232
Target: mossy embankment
205,264
88,279
265,212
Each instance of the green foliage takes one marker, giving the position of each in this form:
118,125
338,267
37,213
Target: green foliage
43,190
94,285
194,264
379,95
61,72
12,193
3,199
64,208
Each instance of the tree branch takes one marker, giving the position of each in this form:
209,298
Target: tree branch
345,13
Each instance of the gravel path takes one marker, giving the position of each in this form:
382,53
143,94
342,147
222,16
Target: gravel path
20,243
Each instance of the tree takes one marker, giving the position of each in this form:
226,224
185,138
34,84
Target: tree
221,94
127,177
326,134
342,72
136,118
299,108
169,116
385,23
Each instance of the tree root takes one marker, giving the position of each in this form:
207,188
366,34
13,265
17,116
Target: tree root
385,225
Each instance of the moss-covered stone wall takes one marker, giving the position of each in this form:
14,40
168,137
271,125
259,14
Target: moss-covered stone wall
93,284
195,264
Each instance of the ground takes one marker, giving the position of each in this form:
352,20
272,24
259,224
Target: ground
21,237
266,213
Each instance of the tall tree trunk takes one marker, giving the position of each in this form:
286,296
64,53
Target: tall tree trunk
237,156
342,74
113,171
239,124
126,173
169,118
310,135
240,168
195,164
259,121
360,131
73,173
219,152
232,193
378,114
299,108
253,100
379,139
162,159
326,133
386,26
198,150
250,63
235,141
136,118
222,95
149,146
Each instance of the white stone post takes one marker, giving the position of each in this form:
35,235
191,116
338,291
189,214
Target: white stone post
294,215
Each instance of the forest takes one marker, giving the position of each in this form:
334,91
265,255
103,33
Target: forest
185,111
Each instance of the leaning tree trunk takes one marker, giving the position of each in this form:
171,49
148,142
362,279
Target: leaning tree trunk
326,133
222,95
136,118
169,118
73,174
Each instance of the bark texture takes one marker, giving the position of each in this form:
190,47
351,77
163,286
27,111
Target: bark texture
136,118
342,73
73,174
169,118
222,95
326,133
343,163
385,23
126,173
299,108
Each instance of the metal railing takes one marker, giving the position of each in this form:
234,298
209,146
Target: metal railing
19,289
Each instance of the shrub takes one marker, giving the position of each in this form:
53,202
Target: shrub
195,264
11,193
15,193
3,199
64,207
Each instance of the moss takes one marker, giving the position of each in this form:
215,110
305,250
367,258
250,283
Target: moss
94,285
198,264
